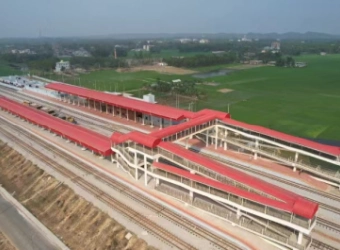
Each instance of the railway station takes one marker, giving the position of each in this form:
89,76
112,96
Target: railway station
264,209
299,154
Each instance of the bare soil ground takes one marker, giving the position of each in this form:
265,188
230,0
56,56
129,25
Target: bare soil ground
159,69
74,220
5,244
225,90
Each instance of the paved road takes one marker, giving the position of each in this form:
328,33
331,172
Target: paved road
23,234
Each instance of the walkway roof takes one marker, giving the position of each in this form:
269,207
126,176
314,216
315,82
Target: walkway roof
91,140
332,150
123,102
250,181
300,206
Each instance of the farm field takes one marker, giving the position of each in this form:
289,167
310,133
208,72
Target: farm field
6,70
300,101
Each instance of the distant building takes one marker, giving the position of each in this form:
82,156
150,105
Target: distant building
255,62
162,64
62,65
185,40
23,51
245,39
276,45
300,64
203,41
323,53
81,53
218,52
147,47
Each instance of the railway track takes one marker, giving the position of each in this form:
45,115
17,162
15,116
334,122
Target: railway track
319,245
150,226
329,224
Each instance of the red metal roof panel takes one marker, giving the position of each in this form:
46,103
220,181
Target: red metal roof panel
120,101
332,150
232,173
226,188
92,140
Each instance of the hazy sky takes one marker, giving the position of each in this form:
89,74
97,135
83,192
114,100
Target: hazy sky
24,18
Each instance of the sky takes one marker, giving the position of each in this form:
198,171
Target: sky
63,18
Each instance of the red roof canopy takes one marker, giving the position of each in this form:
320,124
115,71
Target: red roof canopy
253,182
91,140
123,102
332,150
226,188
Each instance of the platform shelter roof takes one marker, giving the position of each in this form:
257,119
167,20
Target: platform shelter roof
144,107
87,138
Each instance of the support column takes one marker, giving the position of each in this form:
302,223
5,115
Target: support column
136,169
207,138
135,116
78,101
107,108
101,107
256,147
300,238
296,157
151,120
113,110
112,158
191,194
216,137
127,114
120,112
238,214
145,172
157,182
225,146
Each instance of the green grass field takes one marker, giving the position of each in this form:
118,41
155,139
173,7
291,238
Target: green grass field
5,70
299,101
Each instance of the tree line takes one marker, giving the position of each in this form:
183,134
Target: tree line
202,60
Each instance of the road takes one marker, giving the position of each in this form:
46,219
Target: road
23,234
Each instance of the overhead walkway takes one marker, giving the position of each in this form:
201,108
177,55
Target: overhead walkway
201,190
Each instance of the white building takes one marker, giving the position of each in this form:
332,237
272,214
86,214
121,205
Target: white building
204,41
62,65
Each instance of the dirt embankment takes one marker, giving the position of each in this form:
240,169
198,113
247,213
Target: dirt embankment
74,220
5,244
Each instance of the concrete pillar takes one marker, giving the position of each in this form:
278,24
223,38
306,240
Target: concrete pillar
151,120
296,157
107,108
112,158
191,195
294,169
101,107
157,182
113,110
255,155
145,172
300,238
207,138
78,101
135,116
238,214
216,137
120,112
127,114
161,123
187,143
225,145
